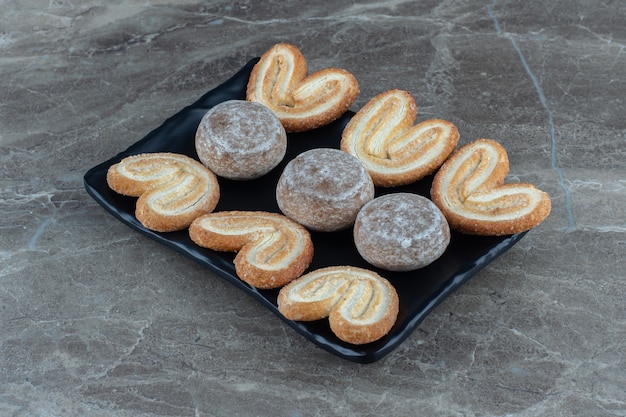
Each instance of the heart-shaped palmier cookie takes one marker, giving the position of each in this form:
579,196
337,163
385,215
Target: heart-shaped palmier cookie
279,81
173,189
272,249
361,306
469,189
394,150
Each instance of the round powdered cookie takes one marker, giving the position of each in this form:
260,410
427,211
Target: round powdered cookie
240,140
324,189
401,232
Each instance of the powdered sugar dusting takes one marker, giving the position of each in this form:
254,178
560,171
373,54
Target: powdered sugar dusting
401,231
239,139
324,188
333,173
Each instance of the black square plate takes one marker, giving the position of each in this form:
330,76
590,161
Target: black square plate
419,291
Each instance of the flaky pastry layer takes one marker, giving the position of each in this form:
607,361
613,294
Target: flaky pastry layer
300,101
394,150
361,306
469,189
272,249
173,189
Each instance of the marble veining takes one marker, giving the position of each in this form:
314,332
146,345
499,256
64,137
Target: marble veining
97,320
544,102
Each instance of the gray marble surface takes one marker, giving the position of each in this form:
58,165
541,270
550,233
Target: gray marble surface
97,320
